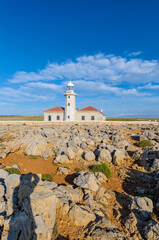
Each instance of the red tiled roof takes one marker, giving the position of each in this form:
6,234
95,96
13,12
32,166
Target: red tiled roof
55,109
89,108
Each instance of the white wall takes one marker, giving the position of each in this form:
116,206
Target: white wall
70,98
54,115
98,116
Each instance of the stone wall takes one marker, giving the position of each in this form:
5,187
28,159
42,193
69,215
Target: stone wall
109,123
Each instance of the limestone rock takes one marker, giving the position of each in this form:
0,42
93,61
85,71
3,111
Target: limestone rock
62,159
3,174
11,182
63,170
87,180
36,149
155,165
89,156
142,207
70,153
151,231
19,227
81,215
119,157
101,178
104,156
2,191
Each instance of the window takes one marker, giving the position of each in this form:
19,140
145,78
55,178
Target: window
92,117
49,118
58,118
68,96
68,116
83,117
68,104
70,88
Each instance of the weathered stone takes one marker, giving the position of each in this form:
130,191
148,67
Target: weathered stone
45,154
63,170
2,191
11,182
36,149
87,180
131,223
142,207
81,215
62,159
118,157
104,156
3,174
101,178
151,231
83,145
90,142
155,165
70,153
89,156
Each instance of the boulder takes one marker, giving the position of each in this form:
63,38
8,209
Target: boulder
90,142
70,153
81,215
87,180
142,207
83,145
43,204
11,182
155,165
151,231
101,178
3,174
36,149
75,195
45,154
89,156
104,156
63,170
62,159
119,157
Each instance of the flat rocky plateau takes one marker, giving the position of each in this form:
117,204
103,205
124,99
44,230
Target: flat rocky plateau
79,203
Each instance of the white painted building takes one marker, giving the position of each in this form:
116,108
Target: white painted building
70,113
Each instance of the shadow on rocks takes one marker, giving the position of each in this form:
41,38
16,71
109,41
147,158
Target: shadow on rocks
61,238
124,201
138,183
69,178
140,187
22,225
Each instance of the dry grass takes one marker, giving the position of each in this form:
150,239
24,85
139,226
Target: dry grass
20,118
131,119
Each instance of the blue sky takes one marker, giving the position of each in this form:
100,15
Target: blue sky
108,49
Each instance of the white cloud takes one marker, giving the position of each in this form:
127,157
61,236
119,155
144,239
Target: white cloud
100,67
42,86
94,87
149,86
134,53
17,95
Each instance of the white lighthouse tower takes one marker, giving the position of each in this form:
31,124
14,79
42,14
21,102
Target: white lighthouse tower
70,103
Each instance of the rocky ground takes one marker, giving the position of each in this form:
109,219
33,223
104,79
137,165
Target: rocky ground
79,203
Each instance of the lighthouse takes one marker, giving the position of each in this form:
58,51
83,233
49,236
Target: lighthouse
70,103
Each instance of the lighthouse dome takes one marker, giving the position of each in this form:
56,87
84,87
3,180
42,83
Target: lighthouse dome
70,84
